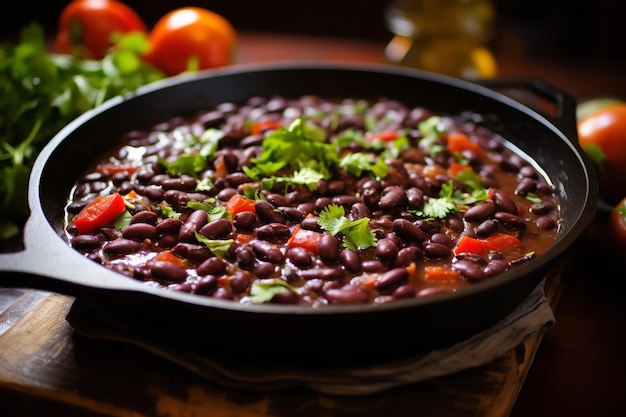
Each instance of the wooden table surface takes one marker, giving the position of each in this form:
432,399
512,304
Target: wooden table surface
574,370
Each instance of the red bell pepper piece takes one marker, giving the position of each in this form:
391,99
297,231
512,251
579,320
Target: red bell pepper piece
100,211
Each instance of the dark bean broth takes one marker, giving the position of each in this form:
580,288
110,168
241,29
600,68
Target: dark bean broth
359,227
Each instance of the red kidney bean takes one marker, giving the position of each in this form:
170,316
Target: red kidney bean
408,230
217,229
167,241
146,216
245,220
193,252
504,202
206,284
183,183
345,200
392,278
168,271
264,269
510,219
442,239
244,257
285,297
328,248
486,228
266,251
239,282
194,223
495,266
348,294
169,225
139,231
85,242
404,291
372,265
268,213
121,247
545,222
351,260
273,231
386,250
359,210
544,207
436,250
222,293
469,270
311,223
480,212
212,266
300,257
324,273
408,255
392,198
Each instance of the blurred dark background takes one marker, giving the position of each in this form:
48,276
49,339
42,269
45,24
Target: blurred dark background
556,29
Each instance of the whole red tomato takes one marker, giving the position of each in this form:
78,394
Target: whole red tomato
190,38
602,135
86,26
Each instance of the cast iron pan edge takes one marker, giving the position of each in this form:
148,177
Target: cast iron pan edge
49,263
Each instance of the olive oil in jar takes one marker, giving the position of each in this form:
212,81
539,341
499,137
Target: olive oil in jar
443,36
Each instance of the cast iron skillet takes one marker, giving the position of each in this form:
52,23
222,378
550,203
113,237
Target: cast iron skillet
288,333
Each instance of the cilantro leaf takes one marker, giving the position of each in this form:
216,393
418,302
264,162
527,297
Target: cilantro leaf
218,247
357,234
264,291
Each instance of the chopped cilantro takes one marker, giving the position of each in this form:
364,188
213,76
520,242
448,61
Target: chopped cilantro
264,291
356,234
218,247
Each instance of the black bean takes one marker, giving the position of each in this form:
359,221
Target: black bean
285,297
372,265
404,291
206,284
345,200
277,200
442,239
359,210
495,266
292,214
272,231
244,257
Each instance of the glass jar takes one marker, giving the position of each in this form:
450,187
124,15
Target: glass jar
443,36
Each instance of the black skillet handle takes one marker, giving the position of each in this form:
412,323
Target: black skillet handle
556,105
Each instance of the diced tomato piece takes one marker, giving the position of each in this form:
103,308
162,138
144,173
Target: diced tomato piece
304,238
440,273
262,126
99,212
384,136
455,168
501,241
468,244
112,169
238,203
169,256
458,142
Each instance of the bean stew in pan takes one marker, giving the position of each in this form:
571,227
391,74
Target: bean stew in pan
313,201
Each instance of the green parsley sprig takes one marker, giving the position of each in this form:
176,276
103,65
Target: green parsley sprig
43,92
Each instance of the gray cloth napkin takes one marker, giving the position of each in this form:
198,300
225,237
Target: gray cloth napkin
533,315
